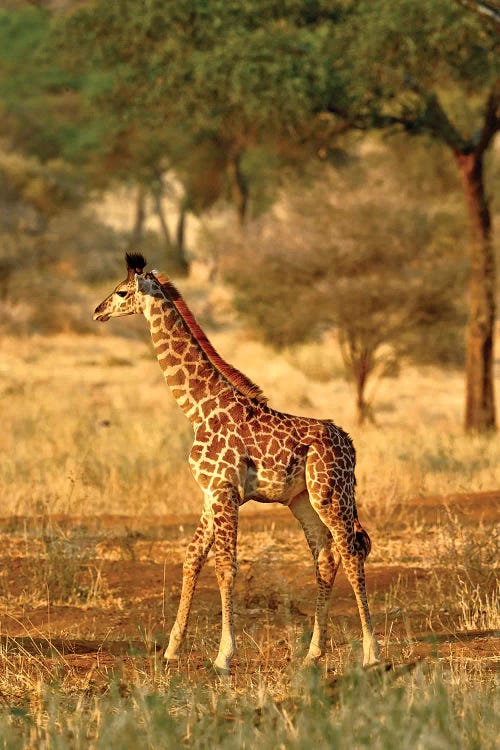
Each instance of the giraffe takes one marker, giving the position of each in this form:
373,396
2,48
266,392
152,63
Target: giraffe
245,450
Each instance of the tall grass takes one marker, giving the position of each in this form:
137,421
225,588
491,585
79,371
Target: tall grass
363,710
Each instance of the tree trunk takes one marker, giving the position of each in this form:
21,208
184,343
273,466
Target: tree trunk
135,240
161,217
361,371
239,188
359,362
180,238
363,410
480,400
176,251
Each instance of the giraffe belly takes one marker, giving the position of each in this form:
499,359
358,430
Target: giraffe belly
279,484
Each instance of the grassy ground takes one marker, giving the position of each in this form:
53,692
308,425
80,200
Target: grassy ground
96,505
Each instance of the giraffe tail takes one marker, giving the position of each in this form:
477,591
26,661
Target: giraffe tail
363,541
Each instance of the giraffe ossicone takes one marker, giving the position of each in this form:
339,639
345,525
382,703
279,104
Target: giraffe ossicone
245,450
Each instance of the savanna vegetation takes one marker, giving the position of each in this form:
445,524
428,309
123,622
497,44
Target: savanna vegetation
332,170
223,102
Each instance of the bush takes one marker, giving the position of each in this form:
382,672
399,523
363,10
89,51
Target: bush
384,274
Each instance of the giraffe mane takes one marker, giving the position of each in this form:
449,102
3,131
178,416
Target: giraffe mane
236,378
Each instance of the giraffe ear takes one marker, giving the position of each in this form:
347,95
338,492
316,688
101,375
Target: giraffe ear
135,263
161,277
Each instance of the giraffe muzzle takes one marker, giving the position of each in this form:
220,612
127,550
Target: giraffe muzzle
102,318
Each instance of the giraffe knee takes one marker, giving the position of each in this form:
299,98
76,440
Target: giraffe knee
326,568
225,571
191,567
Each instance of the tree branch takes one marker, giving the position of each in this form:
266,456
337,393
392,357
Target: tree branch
491,123
490,10
369,120
439,124
433,119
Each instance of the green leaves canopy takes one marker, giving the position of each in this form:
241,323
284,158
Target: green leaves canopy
427,66
233,70
42,104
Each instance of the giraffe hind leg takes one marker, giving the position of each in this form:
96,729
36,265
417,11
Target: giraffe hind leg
326,565
331,491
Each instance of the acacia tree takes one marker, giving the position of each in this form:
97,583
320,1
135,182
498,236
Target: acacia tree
433,67
40,123
144,161
378,273
52,111
231,74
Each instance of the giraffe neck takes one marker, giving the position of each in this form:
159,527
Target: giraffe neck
195,382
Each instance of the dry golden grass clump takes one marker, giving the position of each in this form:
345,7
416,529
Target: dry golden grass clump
98,508
90,427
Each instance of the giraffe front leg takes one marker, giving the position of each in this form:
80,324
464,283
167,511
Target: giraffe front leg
225,512
196,555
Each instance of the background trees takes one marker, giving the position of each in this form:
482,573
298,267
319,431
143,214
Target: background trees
434,68
230,76
228,99
384,274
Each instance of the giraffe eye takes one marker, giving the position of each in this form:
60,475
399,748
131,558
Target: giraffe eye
122,294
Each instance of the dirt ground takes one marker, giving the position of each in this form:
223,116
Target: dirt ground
119,615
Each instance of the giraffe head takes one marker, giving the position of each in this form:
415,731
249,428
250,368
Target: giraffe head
126,298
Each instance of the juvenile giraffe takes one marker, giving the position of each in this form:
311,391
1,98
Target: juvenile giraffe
245,450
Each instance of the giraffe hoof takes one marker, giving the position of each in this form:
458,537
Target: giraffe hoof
224,669
372,664
171,662
223,672
371,652
310,662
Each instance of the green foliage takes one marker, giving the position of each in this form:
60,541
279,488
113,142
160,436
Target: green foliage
382,272
223,65
398,57
43,112
211,83
133,88
46,242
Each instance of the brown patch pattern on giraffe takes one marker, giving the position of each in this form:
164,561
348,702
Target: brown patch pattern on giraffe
245,450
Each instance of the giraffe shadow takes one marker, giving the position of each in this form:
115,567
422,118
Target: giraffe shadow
457,636
53,647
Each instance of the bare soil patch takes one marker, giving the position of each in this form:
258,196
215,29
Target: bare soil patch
137,564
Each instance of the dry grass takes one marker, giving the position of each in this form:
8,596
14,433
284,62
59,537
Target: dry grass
89,426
